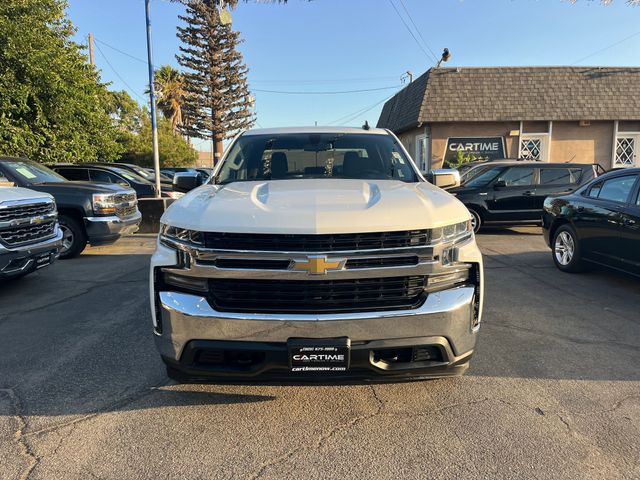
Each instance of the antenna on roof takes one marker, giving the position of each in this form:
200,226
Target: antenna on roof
366,125
446,55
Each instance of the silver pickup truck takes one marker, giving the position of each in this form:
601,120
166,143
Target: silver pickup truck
30,237
316,254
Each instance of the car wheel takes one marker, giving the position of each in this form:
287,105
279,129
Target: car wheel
566,250
74,240
476,220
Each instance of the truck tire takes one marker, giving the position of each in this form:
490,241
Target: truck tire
565,249
74,239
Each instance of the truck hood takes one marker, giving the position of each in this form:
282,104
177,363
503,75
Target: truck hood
315,206
88,187
8,194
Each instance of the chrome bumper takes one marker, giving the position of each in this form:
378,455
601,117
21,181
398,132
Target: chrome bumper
17,260
185,317
108,229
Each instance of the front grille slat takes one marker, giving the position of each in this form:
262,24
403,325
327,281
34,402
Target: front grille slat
317,243
332,296
25,235
26,211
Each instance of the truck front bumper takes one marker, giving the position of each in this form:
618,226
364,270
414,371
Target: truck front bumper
434,340
106,230
22,260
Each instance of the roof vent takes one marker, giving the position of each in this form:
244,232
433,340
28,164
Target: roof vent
584,123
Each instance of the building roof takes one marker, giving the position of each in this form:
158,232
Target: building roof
484,94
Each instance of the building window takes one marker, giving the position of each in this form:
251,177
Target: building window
625,154
531,148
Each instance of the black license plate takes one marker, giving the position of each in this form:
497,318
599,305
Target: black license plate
319,354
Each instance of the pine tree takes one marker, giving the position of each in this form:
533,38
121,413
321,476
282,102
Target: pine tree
217,100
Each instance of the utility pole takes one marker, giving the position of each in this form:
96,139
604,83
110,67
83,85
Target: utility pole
152,99
91,58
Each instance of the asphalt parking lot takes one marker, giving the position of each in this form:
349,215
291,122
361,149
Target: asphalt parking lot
553,391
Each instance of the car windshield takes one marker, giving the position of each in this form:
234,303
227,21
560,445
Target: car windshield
313,155
472,172
132,177
484,178
32,172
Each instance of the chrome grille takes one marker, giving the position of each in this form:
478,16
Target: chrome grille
30,234
26,211
126,210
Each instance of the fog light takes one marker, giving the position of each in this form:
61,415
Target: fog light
191,283
440,282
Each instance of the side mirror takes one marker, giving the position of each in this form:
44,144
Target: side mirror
499,184
445,177
186,181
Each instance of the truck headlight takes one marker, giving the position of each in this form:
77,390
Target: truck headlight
170,235
104,204
456,232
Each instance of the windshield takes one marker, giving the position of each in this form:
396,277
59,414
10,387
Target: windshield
132,177
473,172
484,178
312,155
32,172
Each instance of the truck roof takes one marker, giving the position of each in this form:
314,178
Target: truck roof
286,130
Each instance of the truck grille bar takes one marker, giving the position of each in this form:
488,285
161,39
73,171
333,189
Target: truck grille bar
23,223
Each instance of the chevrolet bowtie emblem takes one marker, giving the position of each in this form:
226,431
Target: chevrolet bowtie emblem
318,265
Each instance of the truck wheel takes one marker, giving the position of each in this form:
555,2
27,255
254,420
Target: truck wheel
476,220
74,240
566,250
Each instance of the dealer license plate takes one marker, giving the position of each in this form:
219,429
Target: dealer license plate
43,260
319,354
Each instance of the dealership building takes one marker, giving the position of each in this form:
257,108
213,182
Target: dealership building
551,114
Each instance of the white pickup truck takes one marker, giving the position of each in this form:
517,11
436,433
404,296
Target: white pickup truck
29,234
316,253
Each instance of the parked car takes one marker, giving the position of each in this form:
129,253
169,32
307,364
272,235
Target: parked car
597,224
514,192
171,171
206,173
103,174
166,184
92,213
30,238
319,253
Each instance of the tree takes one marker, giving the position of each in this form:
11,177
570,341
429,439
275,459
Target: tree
174,150
217,100
170,94
52,104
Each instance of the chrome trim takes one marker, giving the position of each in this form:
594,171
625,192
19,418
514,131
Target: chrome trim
25,202
429,263
197,306
115,218
43,243
48,217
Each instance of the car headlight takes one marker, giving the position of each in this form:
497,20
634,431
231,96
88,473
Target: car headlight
104,204
170,235
455,232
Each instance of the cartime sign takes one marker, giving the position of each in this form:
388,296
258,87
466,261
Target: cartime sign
485,148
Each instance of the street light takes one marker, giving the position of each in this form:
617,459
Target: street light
152,99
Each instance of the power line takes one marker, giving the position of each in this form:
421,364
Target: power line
326,81
411,32
417,29
325,92
353,115
607,47
121,51
118,75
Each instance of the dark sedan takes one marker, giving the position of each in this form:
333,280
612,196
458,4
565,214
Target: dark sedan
597,224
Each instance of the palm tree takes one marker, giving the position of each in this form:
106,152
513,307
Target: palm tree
170,94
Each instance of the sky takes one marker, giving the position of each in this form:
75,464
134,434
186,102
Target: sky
346,45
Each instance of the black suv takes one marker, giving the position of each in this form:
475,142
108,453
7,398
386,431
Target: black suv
514,192
92,213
